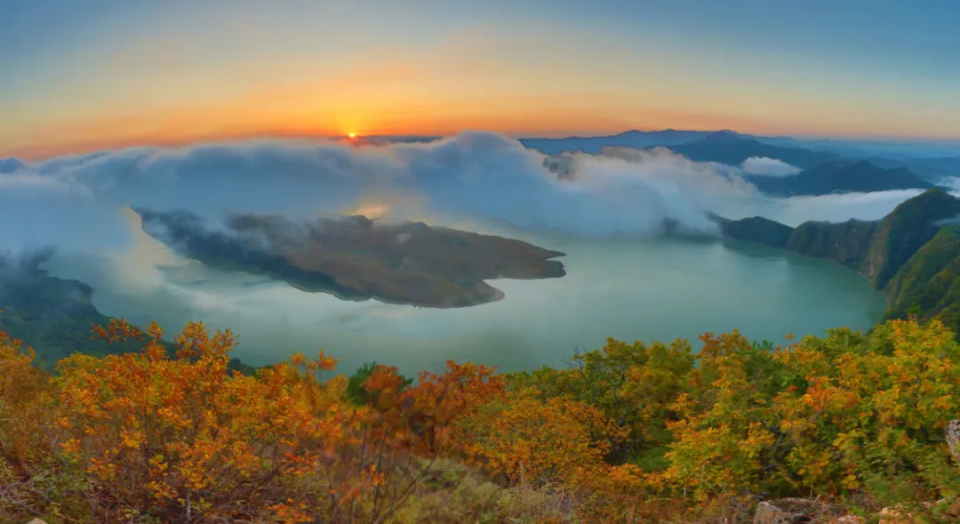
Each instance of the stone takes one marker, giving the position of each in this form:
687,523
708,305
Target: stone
895,515
794,511
952,432
848,519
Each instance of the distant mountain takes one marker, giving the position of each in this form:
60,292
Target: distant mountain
823,173
380,140
933,169
756,229
636,139
840,177
913,253
9,165
727,147
930,161
867,149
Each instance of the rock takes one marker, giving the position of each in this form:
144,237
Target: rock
767,513
943,508
792,510
848,519
36,521
895,515
952,432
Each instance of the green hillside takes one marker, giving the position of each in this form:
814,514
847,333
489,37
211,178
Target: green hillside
54,315
847,242
901,233
929,283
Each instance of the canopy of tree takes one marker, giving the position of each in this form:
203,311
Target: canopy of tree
628,433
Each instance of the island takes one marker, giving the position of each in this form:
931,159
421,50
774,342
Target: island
356,258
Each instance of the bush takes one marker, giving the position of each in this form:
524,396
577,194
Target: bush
629,433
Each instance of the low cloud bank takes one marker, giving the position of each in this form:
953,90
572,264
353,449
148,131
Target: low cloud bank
481,178
763,166
82,205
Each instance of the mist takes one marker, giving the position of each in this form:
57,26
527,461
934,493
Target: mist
82,205
472,179
763,166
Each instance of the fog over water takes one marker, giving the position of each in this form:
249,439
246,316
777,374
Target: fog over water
623,279
648,289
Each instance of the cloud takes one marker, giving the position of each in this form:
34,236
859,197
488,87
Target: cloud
473,176
838,207
478,181
16,263
763,166
33,183
9,165
481,180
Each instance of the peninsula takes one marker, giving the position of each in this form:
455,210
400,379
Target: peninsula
355,258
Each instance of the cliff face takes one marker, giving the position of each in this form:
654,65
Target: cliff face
847,243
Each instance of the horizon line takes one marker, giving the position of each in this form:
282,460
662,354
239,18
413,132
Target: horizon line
40,153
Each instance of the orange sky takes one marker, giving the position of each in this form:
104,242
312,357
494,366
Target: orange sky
157,73
303,113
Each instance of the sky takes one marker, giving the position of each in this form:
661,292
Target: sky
81,75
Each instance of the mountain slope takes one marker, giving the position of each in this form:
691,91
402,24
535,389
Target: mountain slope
51,314
929,168
54,316
904,231
848,242
929,283
636,139
840,177
726,147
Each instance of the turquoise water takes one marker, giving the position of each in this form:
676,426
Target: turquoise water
640,289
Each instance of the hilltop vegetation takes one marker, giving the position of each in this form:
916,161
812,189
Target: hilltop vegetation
51,313
54,315
629,433
928,285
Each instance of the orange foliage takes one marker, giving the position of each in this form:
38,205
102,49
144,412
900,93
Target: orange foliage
633,433
24,398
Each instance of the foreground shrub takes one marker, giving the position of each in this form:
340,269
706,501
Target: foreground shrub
629,433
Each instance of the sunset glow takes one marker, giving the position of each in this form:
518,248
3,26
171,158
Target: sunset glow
537,69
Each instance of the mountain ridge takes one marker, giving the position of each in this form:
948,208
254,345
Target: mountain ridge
858,176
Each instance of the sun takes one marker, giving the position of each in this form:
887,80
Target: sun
352,134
